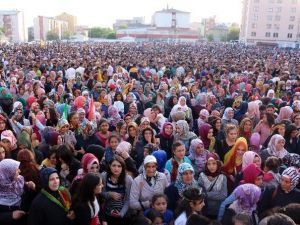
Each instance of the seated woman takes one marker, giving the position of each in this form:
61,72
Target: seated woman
147,184
185,179
184,134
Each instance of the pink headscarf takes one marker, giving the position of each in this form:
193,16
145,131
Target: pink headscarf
285,113
79,102
248,158
8,134
123,146
253,109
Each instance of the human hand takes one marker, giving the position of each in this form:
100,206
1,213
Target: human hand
115,213
18,214
71,215
30,185
115,196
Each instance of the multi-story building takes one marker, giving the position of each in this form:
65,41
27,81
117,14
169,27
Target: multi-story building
271,22
72,21
135,22
13,25
43,25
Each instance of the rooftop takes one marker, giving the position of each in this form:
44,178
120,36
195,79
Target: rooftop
171,10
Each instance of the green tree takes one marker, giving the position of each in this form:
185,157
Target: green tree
66,35
233,34
98,32
111,35
210,37
52,35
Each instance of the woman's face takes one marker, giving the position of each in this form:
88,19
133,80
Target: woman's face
180,152
6,144
280,145
210,133
294,133
104,127
116,168
297,120
281,130
64,129
212,165
53,159
240,150
197,205
175,100
113,143
132,132
132,110
199,149
98,188
182,102
257,161
148,135
150,169
2,153
81,116
230,114
286,183
232,134
2,125
169,129
54,182
75,120
119,98
178,130
218,124
160,205
187,177
259,181
247,126
123,130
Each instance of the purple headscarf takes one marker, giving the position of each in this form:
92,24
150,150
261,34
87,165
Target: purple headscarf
203,131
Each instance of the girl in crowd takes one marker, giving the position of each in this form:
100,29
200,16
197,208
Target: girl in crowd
246,129
264,127
166,138
198,155
116,192
103,134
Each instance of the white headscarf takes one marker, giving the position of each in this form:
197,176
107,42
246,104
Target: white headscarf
272,147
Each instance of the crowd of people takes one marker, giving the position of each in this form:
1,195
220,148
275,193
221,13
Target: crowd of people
149,133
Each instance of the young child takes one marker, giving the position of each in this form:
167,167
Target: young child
113,141
159,204
272,177
155,217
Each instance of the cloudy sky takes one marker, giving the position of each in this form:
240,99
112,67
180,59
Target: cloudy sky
104,13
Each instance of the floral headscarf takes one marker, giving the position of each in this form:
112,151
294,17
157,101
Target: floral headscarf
11,189
272,146
179,180
185,133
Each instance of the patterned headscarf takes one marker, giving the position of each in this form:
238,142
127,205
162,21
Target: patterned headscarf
272,146
247,196
11,188
185,133
179,180
293,174
199,159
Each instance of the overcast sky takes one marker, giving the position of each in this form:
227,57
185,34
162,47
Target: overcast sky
104,13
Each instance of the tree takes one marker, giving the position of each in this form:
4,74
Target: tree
52,35
66,35
98,32
111,35
210,37
233,34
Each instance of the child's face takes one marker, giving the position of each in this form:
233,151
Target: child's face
160,205
212,166
113,143
199,149
146,152
157,221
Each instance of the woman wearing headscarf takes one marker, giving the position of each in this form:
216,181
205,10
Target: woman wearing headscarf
198,155
292,139
233,161
228,117
264,127
253,112
247,196
161,158
183,133
285,113
9,143
284,194
214,184
206,133
113,116
17,119
241,111
275,148
184,180
52,204
182,106
11,190
147,184
166,138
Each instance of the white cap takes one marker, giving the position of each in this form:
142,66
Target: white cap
150,159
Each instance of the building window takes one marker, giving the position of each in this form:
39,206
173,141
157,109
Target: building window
255,9
279,1
290,35
277,18
270,9
269,26
278,9
268,34
292,18
275,35
255,17
291,26
293,10
253,34
269,17
276,26
254,25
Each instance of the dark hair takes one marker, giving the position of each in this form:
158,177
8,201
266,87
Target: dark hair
148,129
273,163
190,195
288,131
156,107
140,220
65,154
85,192
157,196
103,121
71,115
153,214
243,219
292,210
279,219
51,152
270,119
122,177
113,136
176,144
118,94
196,219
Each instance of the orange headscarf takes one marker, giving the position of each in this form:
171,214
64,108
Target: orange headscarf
230,160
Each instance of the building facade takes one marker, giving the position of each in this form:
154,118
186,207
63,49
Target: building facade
43,25
13,24
72,21
171,18
271,22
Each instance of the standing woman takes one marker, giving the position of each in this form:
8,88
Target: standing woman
264,127
85,203
147,184
206,133
52,204
246,127
116,192
166,138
